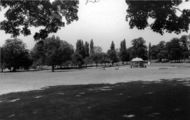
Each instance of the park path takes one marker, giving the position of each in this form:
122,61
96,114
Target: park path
23,81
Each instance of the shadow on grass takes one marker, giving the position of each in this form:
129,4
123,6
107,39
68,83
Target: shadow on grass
139,100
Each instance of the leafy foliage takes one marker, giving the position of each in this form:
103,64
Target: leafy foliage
38,53
77,59
162,51
15,55
91,47
112,54
163,13
52,51
86,49
139,48
184,44
22,14
124,55
2,62
80,48
51,16
174,48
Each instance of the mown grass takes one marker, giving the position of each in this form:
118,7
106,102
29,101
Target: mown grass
139,100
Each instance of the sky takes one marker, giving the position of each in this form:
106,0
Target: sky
103,21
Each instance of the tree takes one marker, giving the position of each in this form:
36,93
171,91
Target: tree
55,51
22,14
97,55
149,51
163,13
15,55
184,45
97,49
139,48
112,47
2,62
88,60
91,47
38,54
161,51
124,55
80,49
175,51
112,54
77,59
154,52
163,54
86,49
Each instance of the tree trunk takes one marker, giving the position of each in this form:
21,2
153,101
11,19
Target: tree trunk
52,68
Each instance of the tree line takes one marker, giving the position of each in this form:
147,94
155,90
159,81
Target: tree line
55,52
175,50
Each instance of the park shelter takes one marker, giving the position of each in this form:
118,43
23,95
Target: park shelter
137,62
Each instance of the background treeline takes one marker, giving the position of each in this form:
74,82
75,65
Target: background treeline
60,54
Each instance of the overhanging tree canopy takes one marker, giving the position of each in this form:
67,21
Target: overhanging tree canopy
23,14
163,13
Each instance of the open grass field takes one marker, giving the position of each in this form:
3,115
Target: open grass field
159,92
22,81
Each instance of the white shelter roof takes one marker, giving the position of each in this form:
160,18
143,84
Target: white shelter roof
137,59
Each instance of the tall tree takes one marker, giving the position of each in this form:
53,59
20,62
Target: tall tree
162,51
124,55
56,51
112,54
184,44
80,49
97,55
86,49
2,61
15,55
112,47
139,48
38,54
174,48
91,47
154,51
77,59
22,14
149,51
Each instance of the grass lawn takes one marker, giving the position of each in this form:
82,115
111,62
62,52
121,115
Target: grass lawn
24,81
137,100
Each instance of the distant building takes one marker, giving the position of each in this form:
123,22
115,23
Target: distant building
137,62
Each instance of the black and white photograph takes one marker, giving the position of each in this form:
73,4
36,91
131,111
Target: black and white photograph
94,59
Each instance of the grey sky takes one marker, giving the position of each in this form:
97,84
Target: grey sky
103,22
